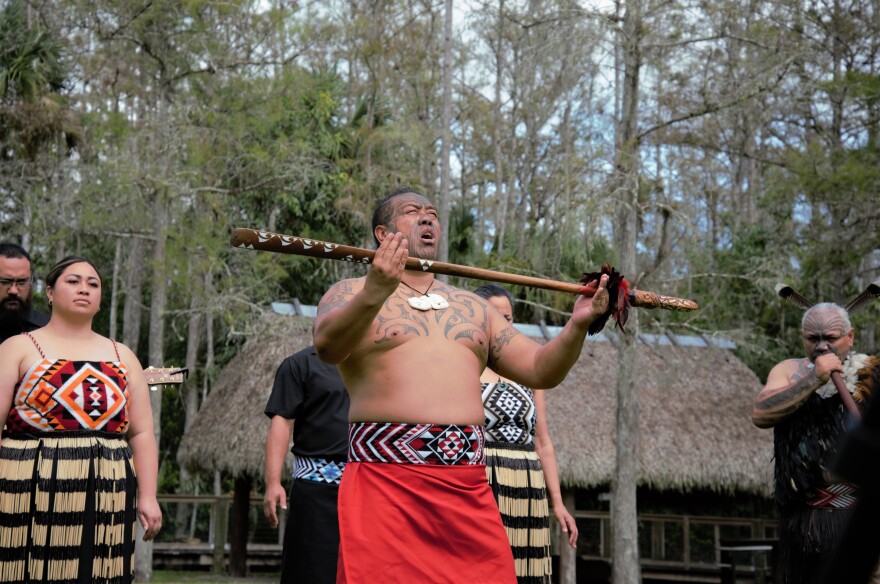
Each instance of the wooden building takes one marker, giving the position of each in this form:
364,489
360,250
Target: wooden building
704,471
697,444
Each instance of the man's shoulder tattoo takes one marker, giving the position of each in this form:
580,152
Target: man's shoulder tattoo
338,294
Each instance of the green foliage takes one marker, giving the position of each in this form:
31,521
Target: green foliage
195,577
30,58
830,199
34,117
462,235
301,171
739,299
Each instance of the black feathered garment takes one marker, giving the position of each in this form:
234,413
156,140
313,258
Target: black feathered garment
804,444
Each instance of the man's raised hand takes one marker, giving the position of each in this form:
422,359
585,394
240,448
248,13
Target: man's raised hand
387,266
825,364
589,307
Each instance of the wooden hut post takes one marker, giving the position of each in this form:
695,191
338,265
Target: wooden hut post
220,518
228,435
241,506
567,555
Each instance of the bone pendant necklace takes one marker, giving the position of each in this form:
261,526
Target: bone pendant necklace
426,301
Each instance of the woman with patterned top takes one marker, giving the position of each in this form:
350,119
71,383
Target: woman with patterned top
521,463
78,457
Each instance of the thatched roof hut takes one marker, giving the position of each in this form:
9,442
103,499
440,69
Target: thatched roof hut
229,433
694,419
695,399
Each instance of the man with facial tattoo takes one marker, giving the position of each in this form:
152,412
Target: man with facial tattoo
414,503
16,291
802,405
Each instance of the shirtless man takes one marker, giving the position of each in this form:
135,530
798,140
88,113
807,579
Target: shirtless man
803,407
413,375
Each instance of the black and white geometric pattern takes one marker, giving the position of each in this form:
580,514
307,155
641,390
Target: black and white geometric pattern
319,470
415,443
510,412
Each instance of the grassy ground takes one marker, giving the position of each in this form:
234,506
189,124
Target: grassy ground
171,577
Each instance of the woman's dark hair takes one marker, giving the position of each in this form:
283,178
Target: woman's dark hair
59,268
488,291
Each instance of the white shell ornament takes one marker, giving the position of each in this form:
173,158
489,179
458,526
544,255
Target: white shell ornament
428,302
438,302
420,302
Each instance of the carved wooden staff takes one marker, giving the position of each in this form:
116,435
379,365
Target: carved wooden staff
292,244
848,402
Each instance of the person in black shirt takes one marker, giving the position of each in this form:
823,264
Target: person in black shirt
310,393
16,291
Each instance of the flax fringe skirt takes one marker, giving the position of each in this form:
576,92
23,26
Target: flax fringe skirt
67,509
514,472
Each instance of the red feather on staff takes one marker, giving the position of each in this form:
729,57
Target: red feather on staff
618,297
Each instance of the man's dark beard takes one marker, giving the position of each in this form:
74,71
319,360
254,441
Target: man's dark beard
12,320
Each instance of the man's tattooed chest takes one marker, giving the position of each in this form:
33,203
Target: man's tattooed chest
462,321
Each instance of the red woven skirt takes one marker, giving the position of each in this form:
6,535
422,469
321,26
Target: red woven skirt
423,520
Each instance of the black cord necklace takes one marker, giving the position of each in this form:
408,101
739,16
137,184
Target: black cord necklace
425,293
426,301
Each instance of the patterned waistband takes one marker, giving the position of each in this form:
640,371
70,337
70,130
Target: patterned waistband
319,470
836,496
415,443
61,434
501,445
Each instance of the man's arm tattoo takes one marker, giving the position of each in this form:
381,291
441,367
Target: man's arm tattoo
782,402
338,294
500,341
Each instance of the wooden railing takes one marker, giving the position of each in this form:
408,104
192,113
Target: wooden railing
215,538
685,543
668,543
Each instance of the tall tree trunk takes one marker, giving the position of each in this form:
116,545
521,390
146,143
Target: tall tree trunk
209,361
867,332
158,300
27,226
134,293
156,353
190,388
445,149
624,505
114,293
500,191
209,335
522,220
